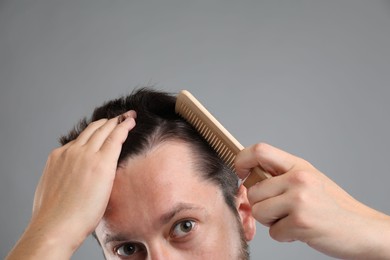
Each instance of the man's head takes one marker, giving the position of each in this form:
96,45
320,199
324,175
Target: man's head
173,197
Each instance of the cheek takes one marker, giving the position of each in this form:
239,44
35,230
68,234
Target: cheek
221,239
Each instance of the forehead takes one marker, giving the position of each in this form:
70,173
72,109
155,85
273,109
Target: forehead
169,164
148,185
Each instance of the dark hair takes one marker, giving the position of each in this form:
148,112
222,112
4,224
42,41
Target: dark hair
157,122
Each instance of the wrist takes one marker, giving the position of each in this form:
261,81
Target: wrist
49,241
375,235
380,237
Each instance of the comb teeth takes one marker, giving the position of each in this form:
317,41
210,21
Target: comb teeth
213,139
214,133
226,154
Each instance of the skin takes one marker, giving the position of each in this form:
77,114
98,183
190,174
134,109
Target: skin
301,203
73,191
298,203
72,197
167,192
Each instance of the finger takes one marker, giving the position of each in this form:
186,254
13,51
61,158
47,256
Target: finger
266,189
112,145
271,210
284,231
130,113
100,135
65,146
269,158
97,138
265,199
88,132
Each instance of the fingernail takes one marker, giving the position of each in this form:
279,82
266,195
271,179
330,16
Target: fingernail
122,118
127,115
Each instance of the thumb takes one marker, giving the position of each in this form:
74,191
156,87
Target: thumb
273,160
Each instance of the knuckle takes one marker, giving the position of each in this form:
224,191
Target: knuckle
300,198
300,177
55,153
68,151
260,148
306,164
73,153
299,221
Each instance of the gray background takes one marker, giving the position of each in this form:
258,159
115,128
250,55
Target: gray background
311,77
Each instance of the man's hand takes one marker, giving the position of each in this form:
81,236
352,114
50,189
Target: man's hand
74,190
301,203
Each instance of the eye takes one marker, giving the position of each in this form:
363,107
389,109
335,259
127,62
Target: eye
128,249
182,228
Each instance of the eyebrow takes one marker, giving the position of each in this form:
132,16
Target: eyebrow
166,217
163,219
116,237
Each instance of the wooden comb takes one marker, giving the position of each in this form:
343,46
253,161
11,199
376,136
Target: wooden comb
226,146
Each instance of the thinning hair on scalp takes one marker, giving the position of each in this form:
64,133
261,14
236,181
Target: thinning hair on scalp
157,122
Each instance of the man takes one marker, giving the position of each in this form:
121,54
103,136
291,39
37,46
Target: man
149,187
